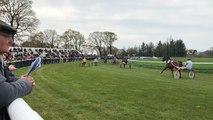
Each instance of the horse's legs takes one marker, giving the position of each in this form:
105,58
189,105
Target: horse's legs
180,73
163,70
171,71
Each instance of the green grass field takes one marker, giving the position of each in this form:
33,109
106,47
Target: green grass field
194,59
67,91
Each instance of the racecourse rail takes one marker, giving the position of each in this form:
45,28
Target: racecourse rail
20,110
160,65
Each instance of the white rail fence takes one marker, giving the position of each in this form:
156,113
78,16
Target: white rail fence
20,110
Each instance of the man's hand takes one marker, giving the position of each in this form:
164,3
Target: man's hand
29,79
11,67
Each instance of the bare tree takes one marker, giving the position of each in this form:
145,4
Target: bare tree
67,38
79,40
109,39
38,37
58,43
20,15
96,40
50,36
73,39
35,40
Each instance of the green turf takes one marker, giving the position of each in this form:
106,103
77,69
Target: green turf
67,91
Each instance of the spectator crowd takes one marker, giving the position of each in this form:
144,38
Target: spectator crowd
23,56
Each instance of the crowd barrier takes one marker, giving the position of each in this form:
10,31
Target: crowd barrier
20,110
24,63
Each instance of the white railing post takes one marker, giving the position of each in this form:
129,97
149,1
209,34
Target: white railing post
20,110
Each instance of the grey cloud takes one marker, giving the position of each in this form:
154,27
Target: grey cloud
143,20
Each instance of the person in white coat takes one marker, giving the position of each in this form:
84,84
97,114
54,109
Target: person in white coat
187,65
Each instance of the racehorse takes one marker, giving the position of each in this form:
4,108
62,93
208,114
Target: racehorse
125,62
173,65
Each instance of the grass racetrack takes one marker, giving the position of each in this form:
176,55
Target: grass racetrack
67,91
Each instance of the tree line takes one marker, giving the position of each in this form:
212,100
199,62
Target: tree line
101,42
173,48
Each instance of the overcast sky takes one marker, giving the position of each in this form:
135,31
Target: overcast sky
134,21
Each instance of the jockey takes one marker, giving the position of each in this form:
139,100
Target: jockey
169,61
188,65
84,60
125,61
114,59
95,61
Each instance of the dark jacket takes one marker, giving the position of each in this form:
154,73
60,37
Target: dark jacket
9,91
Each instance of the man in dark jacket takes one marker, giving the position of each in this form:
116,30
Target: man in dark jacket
9,91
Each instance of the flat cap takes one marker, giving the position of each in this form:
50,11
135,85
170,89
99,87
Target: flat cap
5,28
